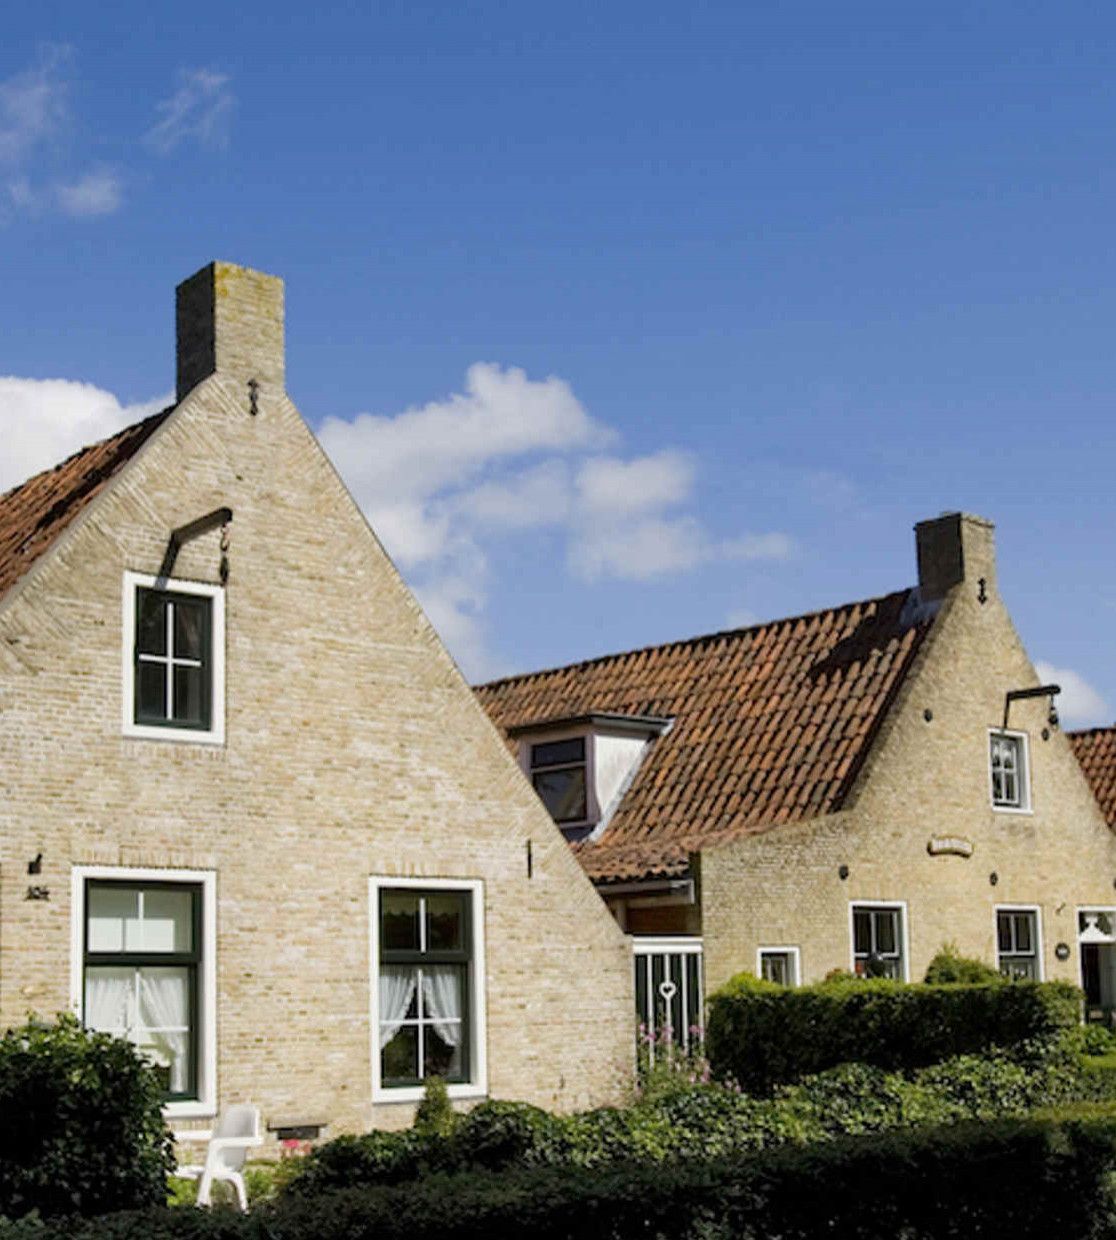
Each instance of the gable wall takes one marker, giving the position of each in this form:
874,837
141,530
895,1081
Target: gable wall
354,748
925,779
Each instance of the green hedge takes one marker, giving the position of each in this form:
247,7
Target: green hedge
1029,1180
762,1035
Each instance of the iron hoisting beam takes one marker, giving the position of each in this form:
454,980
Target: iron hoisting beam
184,533
1019,695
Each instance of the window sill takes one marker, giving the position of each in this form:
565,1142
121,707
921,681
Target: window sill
192,736
189,1110
1012,809
415,1093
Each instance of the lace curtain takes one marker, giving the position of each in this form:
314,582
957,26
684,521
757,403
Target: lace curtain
441,990
397,989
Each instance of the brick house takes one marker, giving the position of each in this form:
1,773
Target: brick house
252,816
849,789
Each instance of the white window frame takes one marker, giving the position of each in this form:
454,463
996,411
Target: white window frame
1024,774
1036,909
795,956
901,905
477,1084
215,733
205,1105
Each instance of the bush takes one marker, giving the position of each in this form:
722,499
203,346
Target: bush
495,1135
435,1114
763,1037
81,1123
950,967
1026,1179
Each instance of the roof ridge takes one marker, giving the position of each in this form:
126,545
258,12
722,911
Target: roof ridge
131,428
692,641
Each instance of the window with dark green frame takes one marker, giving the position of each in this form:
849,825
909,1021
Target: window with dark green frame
173,659
425,1008
142,952
558,772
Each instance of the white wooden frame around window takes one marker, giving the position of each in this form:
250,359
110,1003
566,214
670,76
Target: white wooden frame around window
205,1105
795,957
477,1084
1039,941
215,733
1023,775
904,930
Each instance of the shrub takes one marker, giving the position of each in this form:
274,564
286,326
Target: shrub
434,1114
81,1122
374,1158
495,1135
764,1037
950,967
1026,1179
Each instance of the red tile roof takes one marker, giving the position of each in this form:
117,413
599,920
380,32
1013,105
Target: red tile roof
1096,751
771,725
35,513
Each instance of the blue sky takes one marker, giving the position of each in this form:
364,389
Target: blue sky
662,317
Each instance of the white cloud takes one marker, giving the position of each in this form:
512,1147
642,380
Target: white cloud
1079,704
199,111
42,421
442,482
95,193
32,106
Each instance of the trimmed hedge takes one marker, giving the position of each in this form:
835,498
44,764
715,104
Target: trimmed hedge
763,1035
1027,1179
81,1123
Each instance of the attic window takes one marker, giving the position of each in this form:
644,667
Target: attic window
558,774
173,659
1007,756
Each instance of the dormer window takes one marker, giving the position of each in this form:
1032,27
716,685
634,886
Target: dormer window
558,771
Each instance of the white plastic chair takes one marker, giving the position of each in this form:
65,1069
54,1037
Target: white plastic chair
237,1131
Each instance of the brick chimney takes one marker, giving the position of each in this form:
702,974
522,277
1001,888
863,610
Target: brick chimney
954,548
229,320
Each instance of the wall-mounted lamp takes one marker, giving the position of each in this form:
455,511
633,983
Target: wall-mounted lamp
1019,695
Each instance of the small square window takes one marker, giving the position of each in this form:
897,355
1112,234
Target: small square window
1017,944
558,772
878,948
779,965
173,659
1007,756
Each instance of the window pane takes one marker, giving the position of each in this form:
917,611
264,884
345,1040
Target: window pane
399,921
168,921
1023,937
775,968
113,916
441,1057
191,621
1003,932
862,932
151,622
445,922
109,999
557,753
163,1028
151,691
399,1058
563,793
189,695
887,933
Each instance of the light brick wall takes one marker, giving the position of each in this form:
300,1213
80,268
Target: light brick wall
926,779
354,748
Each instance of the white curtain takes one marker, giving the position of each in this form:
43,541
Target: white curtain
397,989
164,1010
107,992
441,988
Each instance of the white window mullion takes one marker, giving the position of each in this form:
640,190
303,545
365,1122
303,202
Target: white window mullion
170,660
